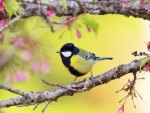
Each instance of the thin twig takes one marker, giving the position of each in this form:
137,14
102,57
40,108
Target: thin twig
51,84
61,21
10,23
35,106
138,94
48,22
46,105
132,98
124,98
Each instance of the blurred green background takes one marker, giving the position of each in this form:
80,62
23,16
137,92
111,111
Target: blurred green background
118,37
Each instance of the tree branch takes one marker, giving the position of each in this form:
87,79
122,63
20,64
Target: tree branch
76,7
69,90
100,7
10,23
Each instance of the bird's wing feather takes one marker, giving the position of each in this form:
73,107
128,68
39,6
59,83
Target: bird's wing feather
87,55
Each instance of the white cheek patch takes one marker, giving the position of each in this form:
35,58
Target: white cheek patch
66,53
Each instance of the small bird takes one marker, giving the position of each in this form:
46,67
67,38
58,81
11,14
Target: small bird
78,61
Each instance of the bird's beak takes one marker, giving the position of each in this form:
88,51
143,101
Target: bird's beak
58,52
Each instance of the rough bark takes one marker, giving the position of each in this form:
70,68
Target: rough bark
77,7
31,98
99,7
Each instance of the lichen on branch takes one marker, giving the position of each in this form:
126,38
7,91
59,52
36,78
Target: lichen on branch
31,98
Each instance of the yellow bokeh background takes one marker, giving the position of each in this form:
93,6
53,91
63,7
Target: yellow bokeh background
118,37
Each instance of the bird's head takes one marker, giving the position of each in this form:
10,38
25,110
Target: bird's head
68,50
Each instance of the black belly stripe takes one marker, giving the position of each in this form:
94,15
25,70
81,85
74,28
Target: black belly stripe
75,72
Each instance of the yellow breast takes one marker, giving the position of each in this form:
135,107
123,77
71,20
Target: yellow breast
81,65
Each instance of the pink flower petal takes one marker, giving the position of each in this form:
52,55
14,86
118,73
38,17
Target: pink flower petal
35,67
18,42
45,67
21,75
2,22
50,12
2,5
148,11
147,67
121,109
148,46
142,1
78,33
26,55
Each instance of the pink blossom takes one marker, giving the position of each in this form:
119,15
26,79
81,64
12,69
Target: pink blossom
121,109
147,67
2,22
1,5
21,75
35,67
148,11
147,6
45,67
18,42
26,55
148,46
78,33
142,1
50,12
2,13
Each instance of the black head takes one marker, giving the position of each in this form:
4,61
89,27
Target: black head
67,51
67,47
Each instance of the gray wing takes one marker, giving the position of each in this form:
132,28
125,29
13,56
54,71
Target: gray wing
87,55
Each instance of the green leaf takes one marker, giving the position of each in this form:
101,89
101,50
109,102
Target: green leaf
144,62
64,4
94,1
12,7
146,1
90,23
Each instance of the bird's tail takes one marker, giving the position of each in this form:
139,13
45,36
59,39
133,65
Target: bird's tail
105,58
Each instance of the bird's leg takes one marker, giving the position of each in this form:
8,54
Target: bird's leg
75,79
73,83
92,77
